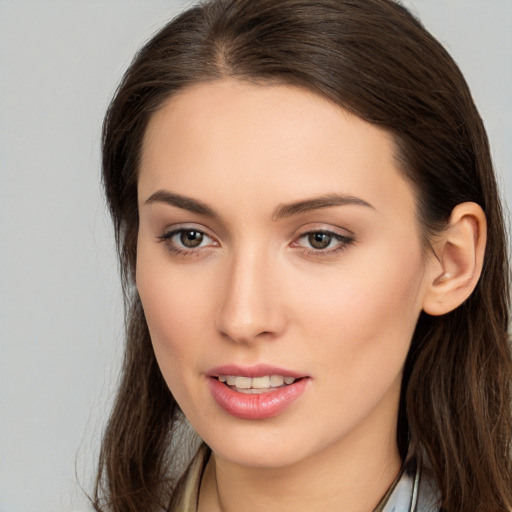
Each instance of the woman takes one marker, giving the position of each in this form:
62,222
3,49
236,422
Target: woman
314,261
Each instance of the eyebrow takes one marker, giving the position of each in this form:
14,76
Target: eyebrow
183,202
282,211
316,203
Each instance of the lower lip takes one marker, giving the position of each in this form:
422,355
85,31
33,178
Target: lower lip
258,406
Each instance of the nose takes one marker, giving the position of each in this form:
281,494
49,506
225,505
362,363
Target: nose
250,300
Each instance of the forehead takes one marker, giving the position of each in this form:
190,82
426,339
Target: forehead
277,143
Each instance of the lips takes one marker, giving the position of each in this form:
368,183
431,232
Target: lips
256,392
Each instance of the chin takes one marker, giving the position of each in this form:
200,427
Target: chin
259,445
255,455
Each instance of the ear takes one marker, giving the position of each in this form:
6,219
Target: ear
456,263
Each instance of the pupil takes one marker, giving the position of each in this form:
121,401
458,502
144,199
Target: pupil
191,238
319,240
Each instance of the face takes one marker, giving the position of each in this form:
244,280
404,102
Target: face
280,269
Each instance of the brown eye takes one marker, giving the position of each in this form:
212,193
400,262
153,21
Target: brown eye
191,238
323,242
187,241
319,240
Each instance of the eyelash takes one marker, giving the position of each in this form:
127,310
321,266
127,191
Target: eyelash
344,241
182,251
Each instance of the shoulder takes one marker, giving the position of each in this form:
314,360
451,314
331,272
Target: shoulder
186,494
413,491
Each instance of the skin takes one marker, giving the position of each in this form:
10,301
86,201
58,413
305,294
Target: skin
256,291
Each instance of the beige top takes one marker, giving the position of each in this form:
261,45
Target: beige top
410,492
190,498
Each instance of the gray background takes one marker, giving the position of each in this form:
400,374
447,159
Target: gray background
60,311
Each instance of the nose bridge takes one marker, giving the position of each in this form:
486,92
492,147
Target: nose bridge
249,306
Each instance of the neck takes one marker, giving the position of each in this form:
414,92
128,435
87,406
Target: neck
351,475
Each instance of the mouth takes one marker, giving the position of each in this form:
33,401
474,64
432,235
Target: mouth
256,385
256,392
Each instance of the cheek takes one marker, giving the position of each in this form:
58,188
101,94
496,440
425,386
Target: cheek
173,309
172,318
364,315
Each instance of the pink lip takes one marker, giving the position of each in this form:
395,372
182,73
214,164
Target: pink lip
258,406
257,370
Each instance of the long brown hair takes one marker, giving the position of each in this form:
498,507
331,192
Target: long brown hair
373,58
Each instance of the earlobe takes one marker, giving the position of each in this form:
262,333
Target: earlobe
455,267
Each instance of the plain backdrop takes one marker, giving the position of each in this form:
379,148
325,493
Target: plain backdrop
60,307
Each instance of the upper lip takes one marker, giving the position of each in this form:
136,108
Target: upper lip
257,370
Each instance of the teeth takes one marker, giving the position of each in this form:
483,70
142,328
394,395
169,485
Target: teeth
253,385
243,382
276,380
260,382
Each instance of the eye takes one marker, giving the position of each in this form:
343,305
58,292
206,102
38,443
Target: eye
186,240
189,238
320,240
323,241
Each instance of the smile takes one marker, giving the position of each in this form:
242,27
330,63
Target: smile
256,385
255,393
